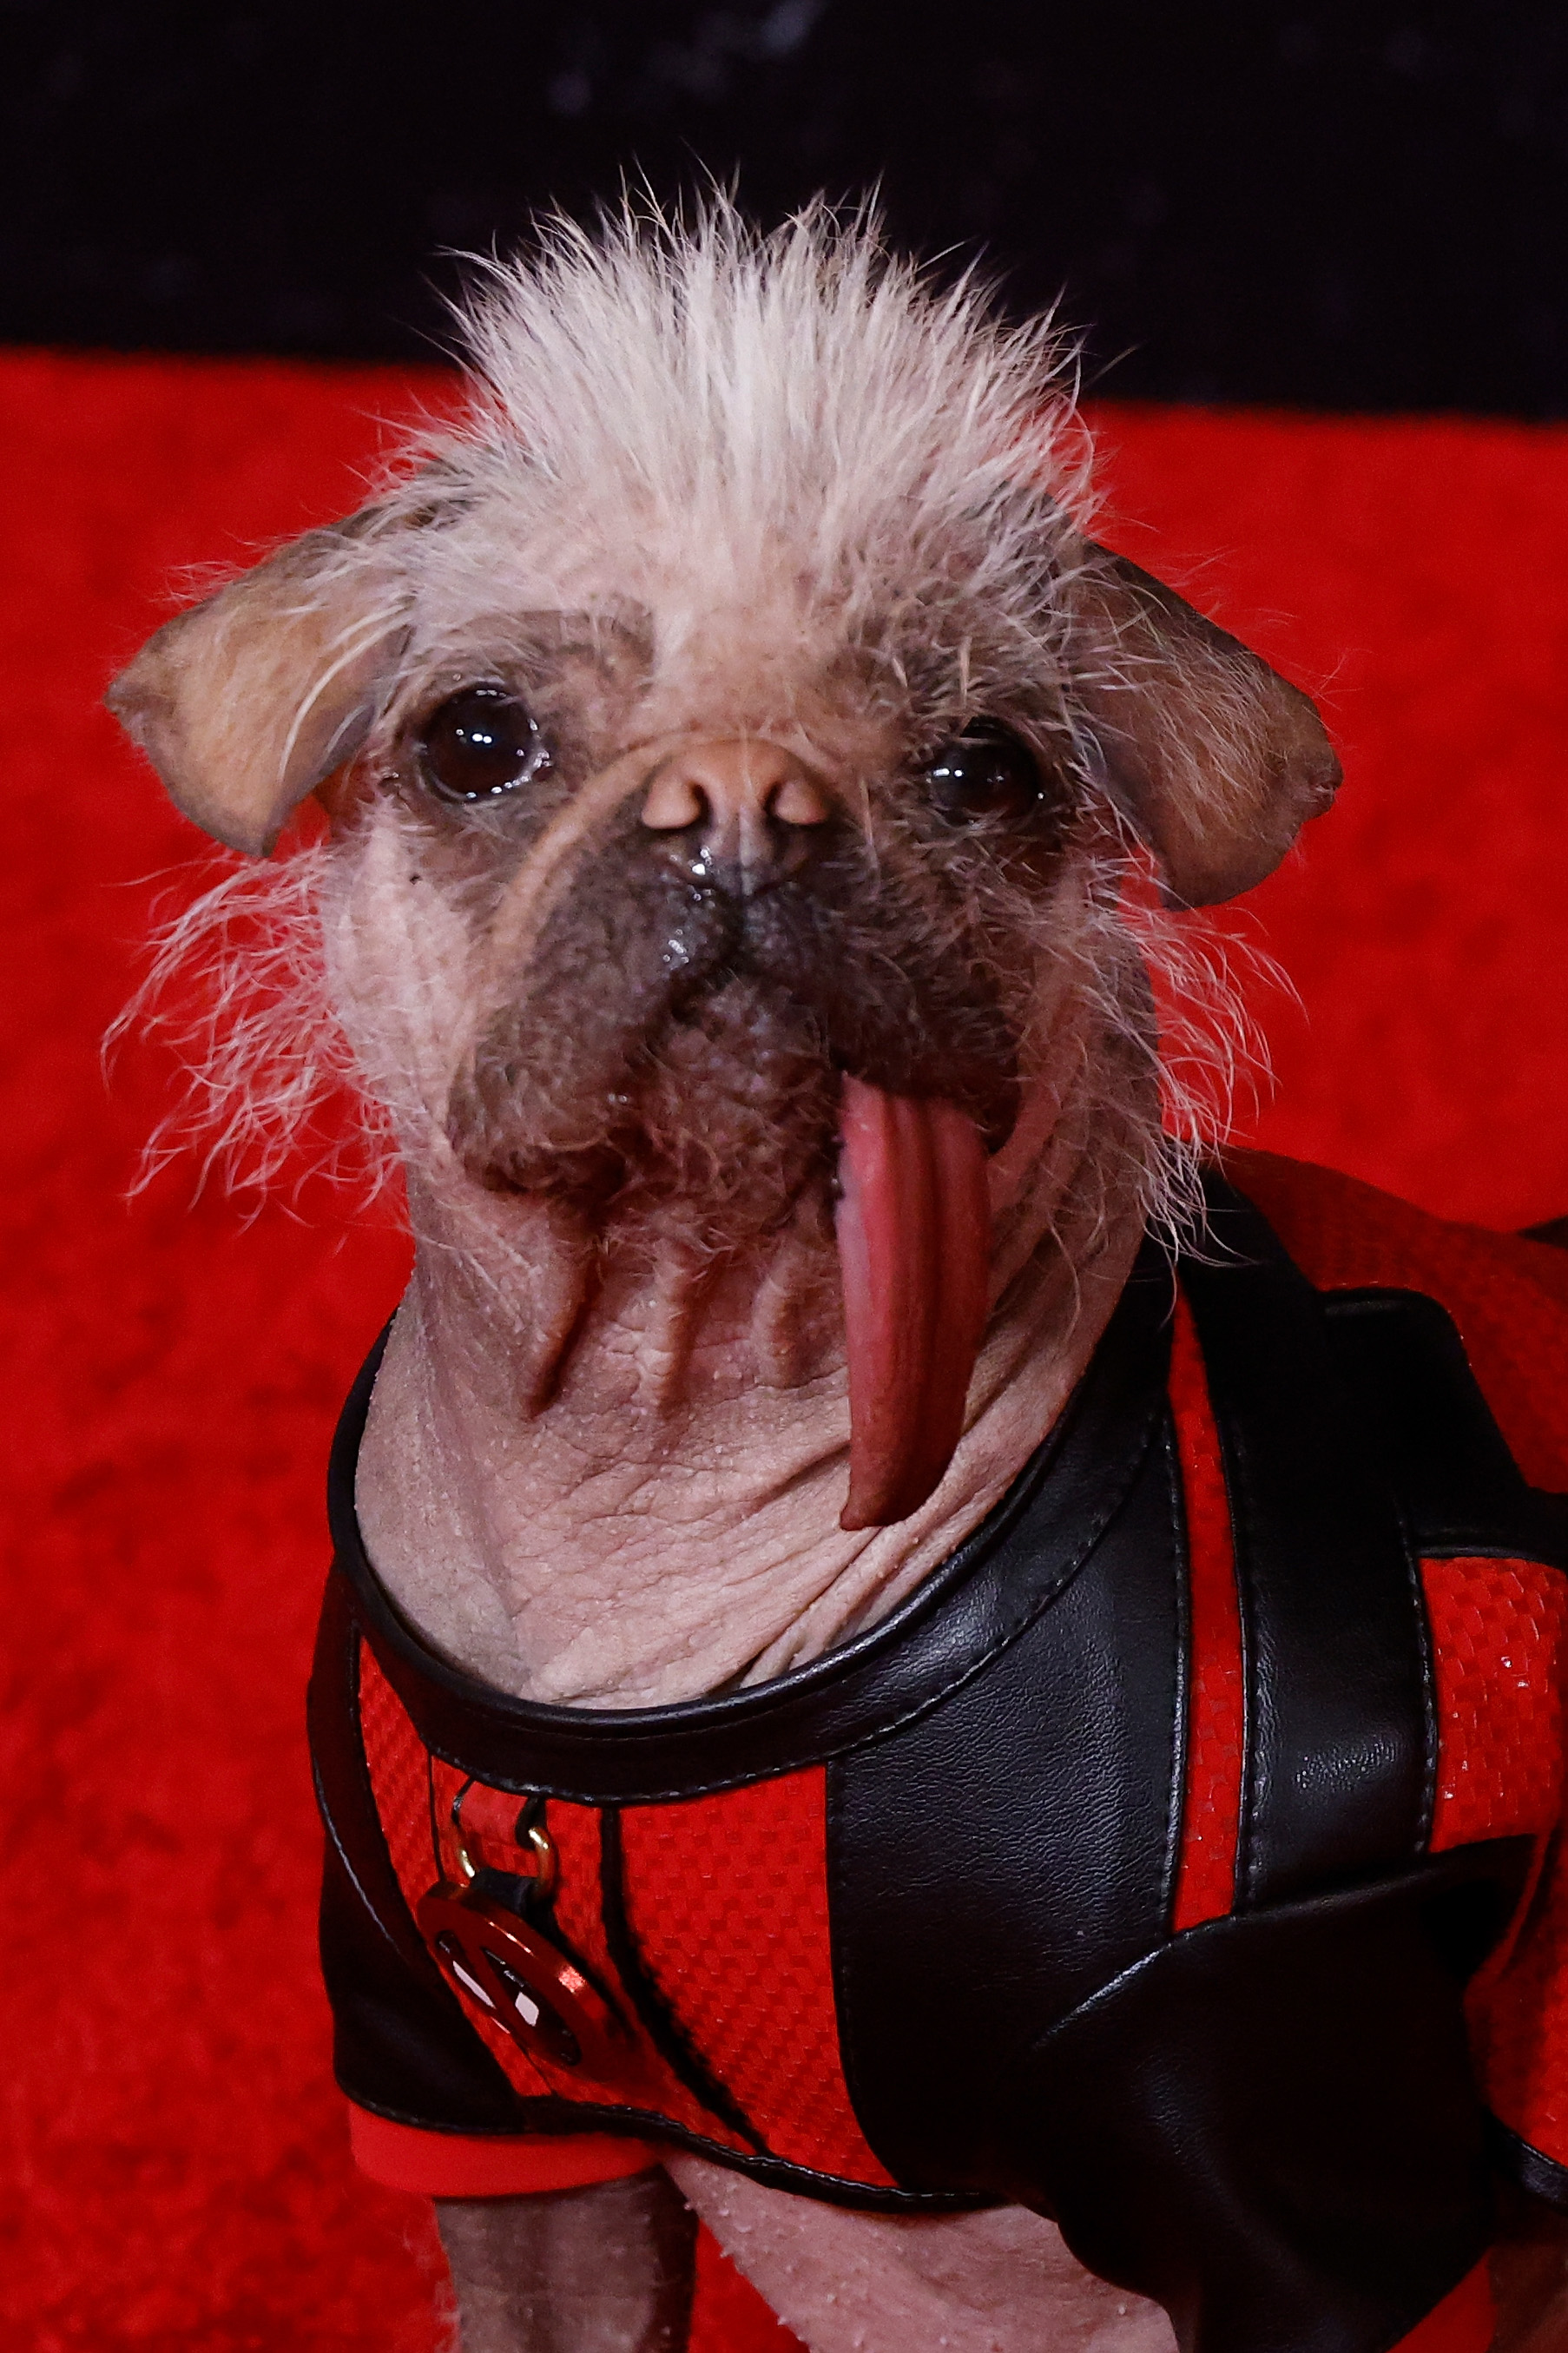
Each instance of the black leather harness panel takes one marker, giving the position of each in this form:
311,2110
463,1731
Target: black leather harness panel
1342,1743
1403,1366
992,1864
1269,2124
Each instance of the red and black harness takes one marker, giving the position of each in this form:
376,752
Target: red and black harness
902,1929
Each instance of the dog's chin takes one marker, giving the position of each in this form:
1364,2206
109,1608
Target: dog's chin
719,1127
734,1124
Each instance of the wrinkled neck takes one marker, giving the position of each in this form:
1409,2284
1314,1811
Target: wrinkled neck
613,1476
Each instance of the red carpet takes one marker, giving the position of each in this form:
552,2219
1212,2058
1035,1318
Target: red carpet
174,1369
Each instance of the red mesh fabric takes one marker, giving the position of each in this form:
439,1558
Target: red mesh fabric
1211,1813
727,1896
399,1778
1509,1298
399,1755
1498,1630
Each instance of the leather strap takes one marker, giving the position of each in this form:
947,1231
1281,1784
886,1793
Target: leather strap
1341,1732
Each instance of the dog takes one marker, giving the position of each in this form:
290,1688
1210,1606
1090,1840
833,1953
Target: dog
886,1680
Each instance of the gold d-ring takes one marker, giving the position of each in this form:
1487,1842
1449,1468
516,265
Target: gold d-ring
532,1834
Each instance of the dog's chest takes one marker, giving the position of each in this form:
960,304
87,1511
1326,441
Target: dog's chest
1118,1877
785,1912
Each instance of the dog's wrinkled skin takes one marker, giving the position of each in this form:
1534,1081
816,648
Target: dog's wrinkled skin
751,531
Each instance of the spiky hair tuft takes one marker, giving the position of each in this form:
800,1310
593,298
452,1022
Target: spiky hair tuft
695,396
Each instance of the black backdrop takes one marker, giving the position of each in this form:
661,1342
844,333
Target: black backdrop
1362,206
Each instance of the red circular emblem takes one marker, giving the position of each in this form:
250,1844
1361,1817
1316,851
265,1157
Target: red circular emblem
518,1978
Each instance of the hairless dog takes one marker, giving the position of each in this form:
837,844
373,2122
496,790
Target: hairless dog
761,823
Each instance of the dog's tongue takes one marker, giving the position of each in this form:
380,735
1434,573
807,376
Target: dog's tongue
914,1245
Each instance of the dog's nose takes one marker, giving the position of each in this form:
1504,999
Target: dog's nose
739,813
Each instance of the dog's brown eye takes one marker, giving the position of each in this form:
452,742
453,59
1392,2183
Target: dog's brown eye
985,772
481,744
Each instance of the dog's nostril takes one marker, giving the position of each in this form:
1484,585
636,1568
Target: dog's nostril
673,802
732,790
797,801
736,817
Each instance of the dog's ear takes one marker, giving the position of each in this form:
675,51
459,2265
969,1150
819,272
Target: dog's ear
1216,759
249,700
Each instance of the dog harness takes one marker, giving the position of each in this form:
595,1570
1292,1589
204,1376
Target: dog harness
1180,1860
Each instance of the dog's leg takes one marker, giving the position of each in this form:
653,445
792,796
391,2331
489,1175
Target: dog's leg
604,2269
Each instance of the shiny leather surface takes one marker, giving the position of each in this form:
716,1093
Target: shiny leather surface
1269,2124
1342,1743
1459,1490
992,1864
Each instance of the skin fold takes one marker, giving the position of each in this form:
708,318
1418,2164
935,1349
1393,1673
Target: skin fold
669,1527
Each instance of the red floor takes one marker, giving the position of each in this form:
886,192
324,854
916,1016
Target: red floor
177,1367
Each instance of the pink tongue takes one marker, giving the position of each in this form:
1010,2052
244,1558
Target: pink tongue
914,1246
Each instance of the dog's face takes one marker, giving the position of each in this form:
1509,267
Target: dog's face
685,875
734,711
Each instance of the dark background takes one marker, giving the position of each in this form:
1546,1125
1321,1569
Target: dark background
1357,208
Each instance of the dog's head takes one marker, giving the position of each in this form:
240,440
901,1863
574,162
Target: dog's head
733,707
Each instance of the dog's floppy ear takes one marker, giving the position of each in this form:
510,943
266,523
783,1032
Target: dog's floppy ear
1216,760
250,699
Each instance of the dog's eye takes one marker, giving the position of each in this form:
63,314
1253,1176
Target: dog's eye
985,772
481,744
